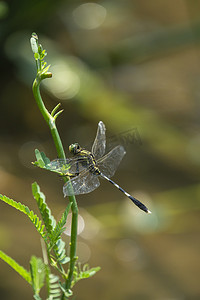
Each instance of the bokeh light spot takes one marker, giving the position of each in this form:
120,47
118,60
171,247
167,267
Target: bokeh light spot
83,252
89,15
26,153
92,225
3,9
81,225
65,83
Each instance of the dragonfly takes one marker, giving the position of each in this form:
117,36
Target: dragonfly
86,167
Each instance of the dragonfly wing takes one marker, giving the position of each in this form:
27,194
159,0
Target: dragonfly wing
99,146
82,184
67,166
110,162
78,165
59,166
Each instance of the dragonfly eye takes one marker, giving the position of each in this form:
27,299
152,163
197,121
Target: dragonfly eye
74,148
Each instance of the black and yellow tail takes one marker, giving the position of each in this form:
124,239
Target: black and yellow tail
135,201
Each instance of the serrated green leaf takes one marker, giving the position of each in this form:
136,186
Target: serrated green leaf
41,163
45,211
36,55
59,228
53,278
60,252
85,273
42,159
24,209
34,188
46,160
46,69
27,210
13,264
53,286
38,272
37,297
65,260
61,245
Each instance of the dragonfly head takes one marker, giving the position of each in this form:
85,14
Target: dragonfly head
74,148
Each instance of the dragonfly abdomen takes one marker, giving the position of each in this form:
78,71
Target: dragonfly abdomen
135,201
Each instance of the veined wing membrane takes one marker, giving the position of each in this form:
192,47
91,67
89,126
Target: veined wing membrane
85,183
99,146
110,162
67,166
59,166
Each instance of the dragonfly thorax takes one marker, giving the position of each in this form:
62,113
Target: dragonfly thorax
86,158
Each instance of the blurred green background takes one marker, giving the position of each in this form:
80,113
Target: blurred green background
135,65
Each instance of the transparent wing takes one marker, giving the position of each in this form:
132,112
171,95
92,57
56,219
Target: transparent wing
82,184
110,162
99,146
59,166
68,166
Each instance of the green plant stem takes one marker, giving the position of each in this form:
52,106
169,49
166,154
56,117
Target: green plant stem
73,244
61,154
48,117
